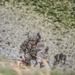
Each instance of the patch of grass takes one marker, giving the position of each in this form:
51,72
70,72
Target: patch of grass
56,72
4,59
7,71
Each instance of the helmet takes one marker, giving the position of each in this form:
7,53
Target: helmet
34,35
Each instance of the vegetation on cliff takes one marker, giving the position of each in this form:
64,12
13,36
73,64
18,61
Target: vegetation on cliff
61,11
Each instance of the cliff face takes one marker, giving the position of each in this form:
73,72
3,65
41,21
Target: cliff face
16,22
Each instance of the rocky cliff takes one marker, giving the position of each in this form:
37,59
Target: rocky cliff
16,22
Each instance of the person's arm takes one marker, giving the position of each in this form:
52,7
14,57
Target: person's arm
23,47
40,56
22,50
41,53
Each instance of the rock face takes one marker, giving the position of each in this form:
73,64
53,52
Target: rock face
15,23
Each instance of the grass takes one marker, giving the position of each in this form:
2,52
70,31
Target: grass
61,11
61,73
7,71
3,59
10,71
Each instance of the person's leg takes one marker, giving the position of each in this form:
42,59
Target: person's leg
64,59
